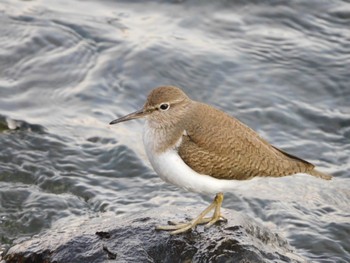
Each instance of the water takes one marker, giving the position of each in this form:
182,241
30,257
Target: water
70,67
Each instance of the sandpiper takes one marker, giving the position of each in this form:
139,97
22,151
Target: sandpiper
202,149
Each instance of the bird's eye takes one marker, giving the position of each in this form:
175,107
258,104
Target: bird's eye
164,106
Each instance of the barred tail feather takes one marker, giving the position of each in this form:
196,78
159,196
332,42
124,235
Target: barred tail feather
319,174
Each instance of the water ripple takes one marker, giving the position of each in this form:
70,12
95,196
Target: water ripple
69,68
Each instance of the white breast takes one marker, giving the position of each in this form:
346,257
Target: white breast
172,169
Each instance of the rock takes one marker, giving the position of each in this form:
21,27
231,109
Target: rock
7,123
134,239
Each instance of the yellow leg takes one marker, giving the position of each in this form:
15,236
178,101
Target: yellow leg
219,198
201,219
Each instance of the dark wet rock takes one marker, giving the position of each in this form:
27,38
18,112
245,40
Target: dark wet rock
136,240
3,124
7,123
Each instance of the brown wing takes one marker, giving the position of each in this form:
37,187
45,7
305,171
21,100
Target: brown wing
223,147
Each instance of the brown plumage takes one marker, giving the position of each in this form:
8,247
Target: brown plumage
243,155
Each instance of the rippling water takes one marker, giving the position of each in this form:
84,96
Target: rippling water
69,67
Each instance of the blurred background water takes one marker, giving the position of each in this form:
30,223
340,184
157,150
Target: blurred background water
67,68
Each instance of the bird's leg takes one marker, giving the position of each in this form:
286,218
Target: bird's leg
219,198
201,219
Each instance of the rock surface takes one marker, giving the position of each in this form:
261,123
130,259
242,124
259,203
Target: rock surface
134,239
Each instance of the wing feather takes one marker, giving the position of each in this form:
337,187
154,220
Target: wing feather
232,150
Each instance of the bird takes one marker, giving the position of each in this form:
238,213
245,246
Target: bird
202,149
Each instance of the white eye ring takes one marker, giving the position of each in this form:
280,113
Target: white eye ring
164,106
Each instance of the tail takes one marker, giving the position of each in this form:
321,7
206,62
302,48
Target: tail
319,174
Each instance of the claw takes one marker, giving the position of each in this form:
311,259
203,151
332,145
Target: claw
223,219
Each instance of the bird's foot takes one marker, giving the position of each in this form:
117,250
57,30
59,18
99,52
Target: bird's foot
183,227
201,219
215,219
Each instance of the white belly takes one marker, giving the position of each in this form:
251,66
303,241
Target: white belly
172,169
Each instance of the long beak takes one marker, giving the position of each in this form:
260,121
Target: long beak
135,115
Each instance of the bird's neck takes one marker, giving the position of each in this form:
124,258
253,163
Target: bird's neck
159,138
